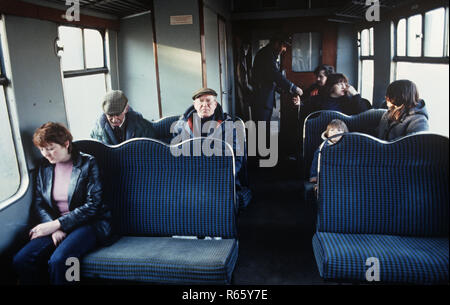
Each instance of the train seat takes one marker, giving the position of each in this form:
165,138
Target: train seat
316,123
384,205
154,195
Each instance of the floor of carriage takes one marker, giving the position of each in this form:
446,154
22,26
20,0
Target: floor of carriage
275,231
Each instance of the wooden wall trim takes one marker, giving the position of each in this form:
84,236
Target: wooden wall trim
25,9
155,54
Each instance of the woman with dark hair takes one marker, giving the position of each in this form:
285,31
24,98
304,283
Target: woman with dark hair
407,113
68,206
337,95
321,73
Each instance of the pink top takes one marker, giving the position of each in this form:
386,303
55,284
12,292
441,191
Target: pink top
61,181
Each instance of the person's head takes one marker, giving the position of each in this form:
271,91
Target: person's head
322,72
115,107
54,141
205,102
336,85
280,42
402,93
335,127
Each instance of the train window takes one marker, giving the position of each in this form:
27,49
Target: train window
366,57
434,27
414,36
423,39
84,69
305,51
9,168
401,38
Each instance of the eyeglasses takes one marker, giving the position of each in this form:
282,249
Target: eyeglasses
208,102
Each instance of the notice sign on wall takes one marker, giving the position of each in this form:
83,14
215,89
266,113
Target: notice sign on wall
181,19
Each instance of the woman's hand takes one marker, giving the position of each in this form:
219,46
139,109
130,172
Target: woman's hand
58,236
44,229
351,90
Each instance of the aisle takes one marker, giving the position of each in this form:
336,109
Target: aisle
275,232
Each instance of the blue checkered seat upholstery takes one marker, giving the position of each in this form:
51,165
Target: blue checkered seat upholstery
384,200
153,196
162,127
316,123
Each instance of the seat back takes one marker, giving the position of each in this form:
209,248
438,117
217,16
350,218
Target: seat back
316,123
369,186
162,127
151,192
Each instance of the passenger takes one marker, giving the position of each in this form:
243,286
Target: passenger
206,109
337,95
321,72
120,122
407,113
244,89
267,77
68,205
335,127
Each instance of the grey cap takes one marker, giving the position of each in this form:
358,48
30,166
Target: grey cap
114,102
203,91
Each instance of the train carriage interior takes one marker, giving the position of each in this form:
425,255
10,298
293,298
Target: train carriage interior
380,210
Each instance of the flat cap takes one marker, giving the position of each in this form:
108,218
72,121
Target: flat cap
203,91
114,102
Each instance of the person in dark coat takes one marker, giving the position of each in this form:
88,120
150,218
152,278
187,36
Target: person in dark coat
267,77
407,113
321,73
72,218
120,122
197,121
337,95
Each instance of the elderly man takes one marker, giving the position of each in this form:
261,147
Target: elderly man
206,110
120,122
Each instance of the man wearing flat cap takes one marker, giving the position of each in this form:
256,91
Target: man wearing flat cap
267,77
119,122
206,110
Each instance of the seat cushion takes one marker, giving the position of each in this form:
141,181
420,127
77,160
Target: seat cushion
164,260
418,260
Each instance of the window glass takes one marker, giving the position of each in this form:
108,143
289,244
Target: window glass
415,36
401,38
94,48
83,102
305,51
367,79
72,40
372,51
365,43
432,82
434,32
9,169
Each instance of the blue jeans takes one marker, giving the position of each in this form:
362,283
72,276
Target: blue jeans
40,258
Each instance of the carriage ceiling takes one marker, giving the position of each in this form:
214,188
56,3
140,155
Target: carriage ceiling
345,10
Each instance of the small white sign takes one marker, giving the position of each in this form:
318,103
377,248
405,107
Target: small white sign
181,19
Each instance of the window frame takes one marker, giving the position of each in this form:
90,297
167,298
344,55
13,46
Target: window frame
87,71
422,58
6,86
362,58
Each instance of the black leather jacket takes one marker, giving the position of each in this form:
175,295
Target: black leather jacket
84,197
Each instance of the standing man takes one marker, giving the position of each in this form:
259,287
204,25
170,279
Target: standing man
119,122
267,77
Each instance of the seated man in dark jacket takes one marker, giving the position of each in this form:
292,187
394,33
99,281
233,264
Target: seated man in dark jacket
205,118
120,122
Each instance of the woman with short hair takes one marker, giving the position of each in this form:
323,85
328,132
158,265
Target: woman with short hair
407,113
68,205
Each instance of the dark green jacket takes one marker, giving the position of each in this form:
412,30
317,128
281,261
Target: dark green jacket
137,127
